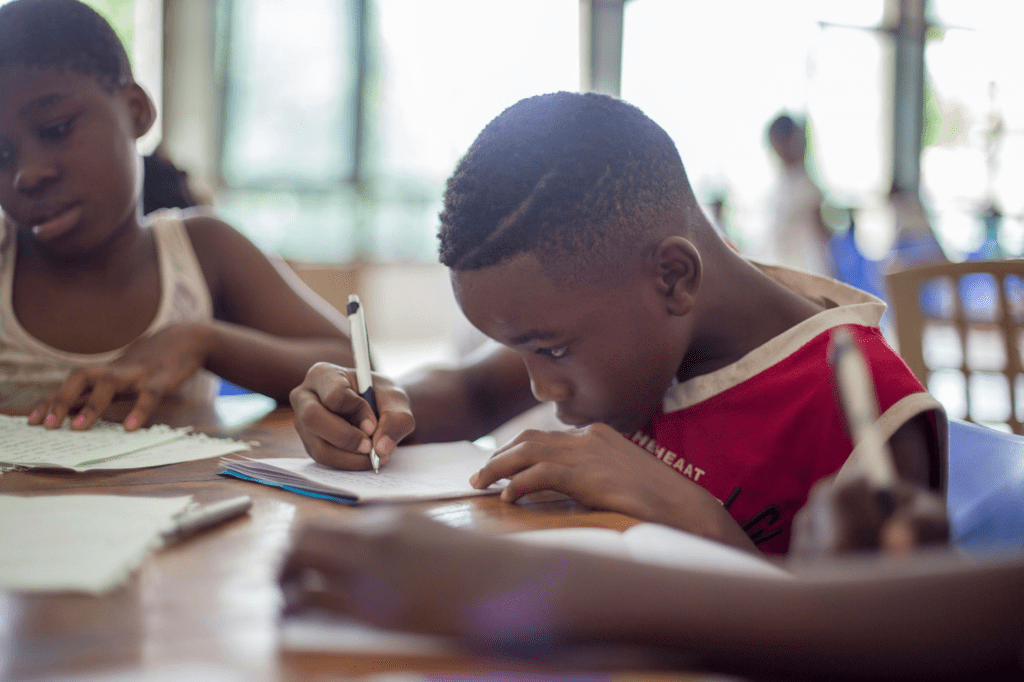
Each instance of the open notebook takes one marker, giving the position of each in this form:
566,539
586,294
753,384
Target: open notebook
104,446
434,471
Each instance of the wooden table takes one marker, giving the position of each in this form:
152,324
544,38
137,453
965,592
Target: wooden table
213,599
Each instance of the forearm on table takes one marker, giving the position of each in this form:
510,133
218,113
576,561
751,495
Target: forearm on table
934,625
265,363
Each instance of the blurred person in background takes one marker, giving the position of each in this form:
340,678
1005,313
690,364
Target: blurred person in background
800,235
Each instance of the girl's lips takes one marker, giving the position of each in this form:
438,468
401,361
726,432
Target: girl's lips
58,224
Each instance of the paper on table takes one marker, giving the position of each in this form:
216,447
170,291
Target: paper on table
416,472
104,446
79,543
657,544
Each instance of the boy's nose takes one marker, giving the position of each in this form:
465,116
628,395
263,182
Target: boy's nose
548,388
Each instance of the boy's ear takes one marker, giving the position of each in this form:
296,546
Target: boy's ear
140,108
679,270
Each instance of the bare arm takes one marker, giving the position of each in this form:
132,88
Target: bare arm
931,616
270,328
267,332
471,400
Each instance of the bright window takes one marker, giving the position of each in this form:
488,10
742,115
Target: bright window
305,180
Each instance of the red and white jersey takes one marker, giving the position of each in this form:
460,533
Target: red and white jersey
759,433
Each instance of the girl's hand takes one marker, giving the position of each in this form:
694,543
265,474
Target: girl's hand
597,467
336,425
151,368
853,517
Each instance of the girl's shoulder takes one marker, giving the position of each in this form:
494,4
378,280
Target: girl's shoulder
224,253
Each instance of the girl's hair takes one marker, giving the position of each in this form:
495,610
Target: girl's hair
65,34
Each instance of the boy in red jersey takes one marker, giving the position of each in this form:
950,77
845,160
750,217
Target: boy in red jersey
575,241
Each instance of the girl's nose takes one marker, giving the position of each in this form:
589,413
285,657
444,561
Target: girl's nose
35,171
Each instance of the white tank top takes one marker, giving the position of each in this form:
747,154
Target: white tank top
30,369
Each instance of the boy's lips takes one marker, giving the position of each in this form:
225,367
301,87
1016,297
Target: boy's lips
57,223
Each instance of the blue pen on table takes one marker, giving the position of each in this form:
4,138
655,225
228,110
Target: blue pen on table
860,406
196,518
361,349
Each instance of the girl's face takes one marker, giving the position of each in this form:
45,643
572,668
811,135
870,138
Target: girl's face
69,171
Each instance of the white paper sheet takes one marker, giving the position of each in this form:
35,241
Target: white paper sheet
104,446
79,543
657,544
415,472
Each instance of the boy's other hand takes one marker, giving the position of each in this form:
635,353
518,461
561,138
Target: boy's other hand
598,467
854,517
336,425
151,368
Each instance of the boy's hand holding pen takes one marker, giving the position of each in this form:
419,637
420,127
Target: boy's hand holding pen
348,418
361,350
876,510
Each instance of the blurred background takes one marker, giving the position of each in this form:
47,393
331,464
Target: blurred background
325,129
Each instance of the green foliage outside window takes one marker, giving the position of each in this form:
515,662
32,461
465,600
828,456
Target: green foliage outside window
121,15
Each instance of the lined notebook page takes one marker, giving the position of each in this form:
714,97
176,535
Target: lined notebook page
430,471
104,446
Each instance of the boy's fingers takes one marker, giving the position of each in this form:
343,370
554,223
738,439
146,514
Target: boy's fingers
332,386
512,460
333,429
533,436
328,455
541,476
392,428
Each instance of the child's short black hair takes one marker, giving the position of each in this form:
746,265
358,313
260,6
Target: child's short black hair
65,34
579,180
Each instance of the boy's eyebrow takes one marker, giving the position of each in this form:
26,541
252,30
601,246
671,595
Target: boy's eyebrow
42,102
532,335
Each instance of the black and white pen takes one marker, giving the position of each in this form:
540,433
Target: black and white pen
361,349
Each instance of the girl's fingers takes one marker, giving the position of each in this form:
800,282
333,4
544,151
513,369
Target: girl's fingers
102,393
147,401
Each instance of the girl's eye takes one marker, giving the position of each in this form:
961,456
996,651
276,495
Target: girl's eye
57,130
556,352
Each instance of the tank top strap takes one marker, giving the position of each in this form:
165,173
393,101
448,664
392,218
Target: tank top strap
185,290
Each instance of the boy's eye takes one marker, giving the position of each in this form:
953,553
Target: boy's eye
556,352
5,155
57,130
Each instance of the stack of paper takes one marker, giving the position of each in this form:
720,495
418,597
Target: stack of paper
104,446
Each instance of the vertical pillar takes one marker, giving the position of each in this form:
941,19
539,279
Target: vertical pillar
908,96
601,46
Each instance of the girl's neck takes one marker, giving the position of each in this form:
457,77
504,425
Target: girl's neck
114,260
